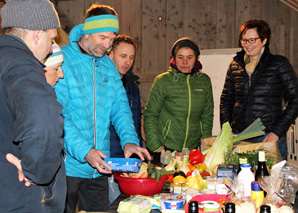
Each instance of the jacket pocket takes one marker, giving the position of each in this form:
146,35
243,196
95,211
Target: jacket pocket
48,190
166,130
54,194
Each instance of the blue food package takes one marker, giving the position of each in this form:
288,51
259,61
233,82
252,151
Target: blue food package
124,164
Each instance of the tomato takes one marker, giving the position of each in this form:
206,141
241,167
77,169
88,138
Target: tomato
189,173
205,173
196,157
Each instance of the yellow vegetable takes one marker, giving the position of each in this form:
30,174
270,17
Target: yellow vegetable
195,182
179,179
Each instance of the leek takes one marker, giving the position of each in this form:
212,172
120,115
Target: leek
253,130
216,153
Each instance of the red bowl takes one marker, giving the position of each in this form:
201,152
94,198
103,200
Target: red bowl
139,186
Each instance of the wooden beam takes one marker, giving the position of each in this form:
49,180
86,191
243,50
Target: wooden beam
291,3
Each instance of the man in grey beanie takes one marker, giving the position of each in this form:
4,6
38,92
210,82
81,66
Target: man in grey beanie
32,177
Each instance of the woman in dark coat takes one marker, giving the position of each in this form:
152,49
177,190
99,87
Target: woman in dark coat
255,85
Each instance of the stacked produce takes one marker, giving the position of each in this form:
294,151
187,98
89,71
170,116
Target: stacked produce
190,170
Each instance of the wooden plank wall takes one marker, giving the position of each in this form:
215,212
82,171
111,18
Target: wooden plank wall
214,24
1,5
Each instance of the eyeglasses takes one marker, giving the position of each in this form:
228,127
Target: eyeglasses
250,40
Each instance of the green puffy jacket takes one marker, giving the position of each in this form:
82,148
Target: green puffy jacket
179,111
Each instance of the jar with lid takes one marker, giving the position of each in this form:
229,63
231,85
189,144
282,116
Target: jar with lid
245,177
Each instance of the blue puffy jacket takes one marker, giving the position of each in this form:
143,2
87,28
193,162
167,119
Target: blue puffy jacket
133,95
93,96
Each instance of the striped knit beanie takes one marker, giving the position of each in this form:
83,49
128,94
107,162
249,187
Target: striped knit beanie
55,57
101,23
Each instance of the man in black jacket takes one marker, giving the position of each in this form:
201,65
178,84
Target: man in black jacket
31,125
256,83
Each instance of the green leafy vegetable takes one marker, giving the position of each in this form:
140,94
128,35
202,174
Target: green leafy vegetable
157,172
253,130
215,154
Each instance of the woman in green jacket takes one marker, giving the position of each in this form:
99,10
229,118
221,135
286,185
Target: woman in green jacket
179,110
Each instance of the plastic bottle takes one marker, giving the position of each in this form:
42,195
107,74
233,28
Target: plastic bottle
193,207
245,177
262,168
265,209
257,194
230,208
241,161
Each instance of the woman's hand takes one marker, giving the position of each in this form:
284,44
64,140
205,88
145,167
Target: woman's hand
271,137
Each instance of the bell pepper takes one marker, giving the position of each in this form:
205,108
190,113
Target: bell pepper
170,178
196,157
192,167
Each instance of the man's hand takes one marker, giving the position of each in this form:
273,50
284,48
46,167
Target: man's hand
131,148
17,163
95,159
271,137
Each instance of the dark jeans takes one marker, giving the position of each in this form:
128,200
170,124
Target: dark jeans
89,194
281,144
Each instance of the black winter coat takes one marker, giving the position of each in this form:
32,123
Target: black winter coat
133,95
272,80
31,128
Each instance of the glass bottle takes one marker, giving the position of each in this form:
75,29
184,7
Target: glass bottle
230,208
262,168
265,209
193,207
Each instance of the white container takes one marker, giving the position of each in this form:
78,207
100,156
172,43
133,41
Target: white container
245,177
221,189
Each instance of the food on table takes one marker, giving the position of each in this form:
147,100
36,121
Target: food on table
196,157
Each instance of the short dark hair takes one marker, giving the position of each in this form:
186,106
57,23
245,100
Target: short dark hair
123,38
261,26
99,9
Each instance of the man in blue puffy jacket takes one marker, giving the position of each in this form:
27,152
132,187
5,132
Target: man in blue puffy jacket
123,54
93,97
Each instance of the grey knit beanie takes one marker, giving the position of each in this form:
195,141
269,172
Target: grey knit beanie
29,14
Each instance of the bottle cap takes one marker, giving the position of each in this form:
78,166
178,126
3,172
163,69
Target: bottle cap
255,186
230,207
243,160
262,156
265,209
245,165
193,205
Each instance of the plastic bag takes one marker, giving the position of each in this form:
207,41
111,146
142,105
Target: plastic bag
281,186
